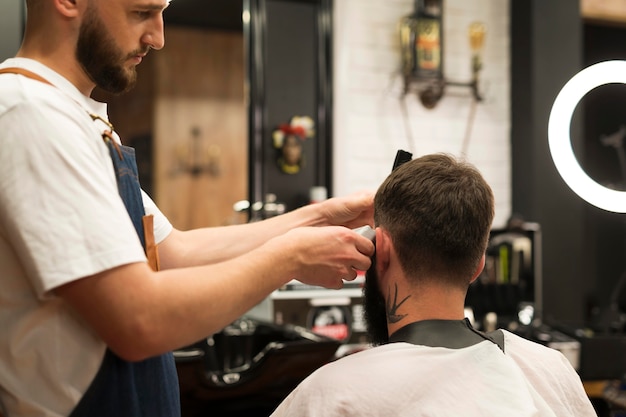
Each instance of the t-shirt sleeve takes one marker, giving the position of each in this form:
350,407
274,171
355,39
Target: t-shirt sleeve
59,203
162,226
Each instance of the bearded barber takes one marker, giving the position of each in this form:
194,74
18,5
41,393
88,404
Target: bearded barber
97,286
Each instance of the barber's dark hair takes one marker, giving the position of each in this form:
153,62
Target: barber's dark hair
438,211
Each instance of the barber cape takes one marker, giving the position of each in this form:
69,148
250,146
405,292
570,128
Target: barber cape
403,379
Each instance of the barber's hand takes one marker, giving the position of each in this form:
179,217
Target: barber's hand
325,256
352,211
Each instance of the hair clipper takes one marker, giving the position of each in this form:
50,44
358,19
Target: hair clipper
366,231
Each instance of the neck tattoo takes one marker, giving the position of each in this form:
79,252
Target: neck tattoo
393,305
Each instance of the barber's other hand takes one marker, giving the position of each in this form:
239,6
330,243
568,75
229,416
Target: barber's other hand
352,211
325,256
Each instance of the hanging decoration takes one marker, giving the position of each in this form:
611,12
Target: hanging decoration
288,139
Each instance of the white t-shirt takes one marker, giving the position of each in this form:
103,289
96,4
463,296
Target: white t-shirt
61,219
401,379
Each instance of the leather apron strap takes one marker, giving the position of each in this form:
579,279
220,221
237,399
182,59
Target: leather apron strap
25,73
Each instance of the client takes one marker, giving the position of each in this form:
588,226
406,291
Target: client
433,216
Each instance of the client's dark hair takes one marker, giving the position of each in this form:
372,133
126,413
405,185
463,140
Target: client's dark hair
438,211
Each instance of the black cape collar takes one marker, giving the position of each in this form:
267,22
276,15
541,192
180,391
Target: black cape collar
452,334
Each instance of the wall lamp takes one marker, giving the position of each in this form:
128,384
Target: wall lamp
421,40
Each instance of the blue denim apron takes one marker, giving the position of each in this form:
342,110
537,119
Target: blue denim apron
128,389
131,389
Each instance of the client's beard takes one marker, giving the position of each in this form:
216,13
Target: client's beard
375,312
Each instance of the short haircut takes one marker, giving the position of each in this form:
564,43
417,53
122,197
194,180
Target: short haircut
438,211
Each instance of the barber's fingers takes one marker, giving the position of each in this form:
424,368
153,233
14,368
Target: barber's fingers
351,211
365,246
360,262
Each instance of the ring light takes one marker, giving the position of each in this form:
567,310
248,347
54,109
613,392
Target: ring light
559,139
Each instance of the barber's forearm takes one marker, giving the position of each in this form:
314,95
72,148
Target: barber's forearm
202,300
217,244
139,313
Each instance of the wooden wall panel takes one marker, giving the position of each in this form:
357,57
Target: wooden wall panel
199,93
210,135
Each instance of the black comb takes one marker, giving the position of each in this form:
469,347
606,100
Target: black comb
401,158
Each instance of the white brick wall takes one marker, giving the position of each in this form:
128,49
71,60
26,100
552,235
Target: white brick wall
368,116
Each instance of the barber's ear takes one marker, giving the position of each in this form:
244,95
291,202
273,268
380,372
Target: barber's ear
479,269
68,8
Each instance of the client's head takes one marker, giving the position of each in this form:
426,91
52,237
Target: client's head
436,213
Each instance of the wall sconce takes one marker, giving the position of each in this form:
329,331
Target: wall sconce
421,39
195,159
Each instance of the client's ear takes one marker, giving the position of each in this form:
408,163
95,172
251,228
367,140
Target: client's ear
383,251
479,269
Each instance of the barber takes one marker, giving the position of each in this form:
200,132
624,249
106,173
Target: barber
97,286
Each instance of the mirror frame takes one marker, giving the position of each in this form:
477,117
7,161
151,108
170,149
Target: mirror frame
255,33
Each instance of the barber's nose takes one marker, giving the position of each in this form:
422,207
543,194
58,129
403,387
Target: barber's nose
155,36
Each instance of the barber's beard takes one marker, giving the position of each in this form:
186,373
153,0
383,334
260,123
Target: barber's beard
375,311
100,57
